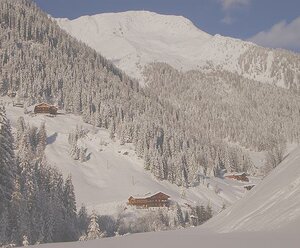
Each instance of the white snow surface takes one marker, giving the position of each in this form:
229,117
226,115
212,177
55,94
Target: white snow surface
273,204
109,178
194,237
133,39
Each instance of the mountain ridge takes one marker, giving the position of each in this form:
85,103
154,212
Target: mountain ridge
134,39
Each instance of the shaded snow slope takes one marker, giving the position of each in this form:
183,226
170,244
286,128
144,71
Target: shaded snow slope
135,38
114,172
273,204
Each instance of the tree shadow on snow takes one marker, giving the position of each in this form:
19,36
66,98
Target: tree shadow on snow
88,157
51,139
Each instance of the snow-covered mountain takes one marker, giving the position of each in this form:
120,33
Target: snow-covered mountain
135,38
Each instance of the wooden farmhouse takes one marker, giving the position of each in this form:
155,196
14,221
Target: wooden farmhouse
157,200
45,108
238,176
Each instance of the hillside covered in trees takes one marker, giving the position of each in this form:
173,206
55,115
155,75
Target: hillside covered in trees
36,203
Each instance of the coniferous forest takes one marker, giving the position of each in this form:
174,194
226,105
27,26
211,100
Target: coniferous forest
37,204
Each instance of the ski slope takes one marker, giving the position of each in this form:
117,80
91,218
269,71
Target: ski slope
110,177
134,39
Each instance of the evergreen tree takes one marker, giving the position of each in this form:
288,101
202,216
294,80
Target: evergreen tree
42,139
7,162
25,241
71,231
83,220
93,228
179,215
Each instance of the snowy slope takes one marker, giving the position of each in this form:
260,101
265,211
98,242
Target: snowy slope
273,204
106,181
135,38
267,217
190,238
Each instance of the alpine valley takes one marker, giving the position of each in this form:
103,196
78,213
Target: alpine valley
101,108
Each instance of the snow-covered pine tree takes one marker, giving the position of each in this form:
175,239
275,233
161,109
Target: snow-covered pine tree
179,215
21,126
82,154
7,162
4,219
71,228
93,228
42,139
82,220
18,215
25,242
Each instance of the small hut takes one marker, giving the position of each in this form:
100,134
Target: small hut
44,108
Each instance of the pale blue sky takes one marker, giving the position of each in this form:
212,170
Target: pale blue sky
279,20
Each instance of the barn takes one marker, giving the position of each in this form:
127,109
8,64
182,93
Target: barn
157,200
44,108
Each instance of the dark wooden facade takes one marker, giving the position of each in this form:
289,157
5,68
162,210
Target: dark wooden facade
248,187
45,108
157,200
240,177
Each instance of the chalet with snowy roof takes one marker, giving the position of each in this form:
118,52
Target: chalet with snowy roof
238,176
157,200
44,108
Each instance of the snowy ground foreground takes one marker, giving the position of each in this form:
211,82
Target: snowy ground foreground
273,204
133,39
106,181
191,238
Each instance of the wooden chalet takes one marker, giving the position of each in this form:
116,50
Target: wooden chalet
157,200
45,108
238,176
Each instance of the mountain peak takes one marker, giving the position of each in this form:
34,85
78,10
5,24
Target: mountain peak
140,21
133,39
